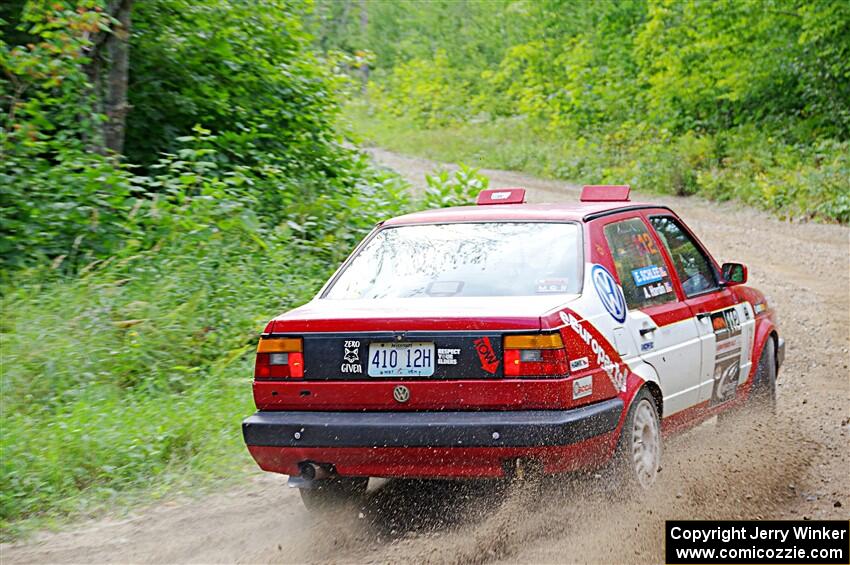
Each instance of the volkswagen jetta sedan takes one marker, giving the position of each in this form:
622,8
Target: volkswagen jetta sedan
483,341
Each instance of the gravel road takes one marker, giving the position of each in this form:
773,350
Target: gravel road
797,466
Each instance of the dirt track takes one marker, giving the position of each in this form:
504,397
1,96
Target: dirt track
797,466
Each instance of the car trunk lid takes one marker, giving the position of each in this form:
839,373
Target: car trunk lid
464,335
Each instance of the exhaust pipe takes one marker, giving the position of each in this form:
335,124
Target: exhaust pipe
313,471
521,468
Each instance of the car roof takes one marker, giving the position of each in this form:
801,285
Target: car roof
559,212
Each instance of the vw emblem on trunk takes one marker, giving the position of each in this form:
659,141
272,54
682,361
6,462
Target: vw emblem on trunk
401,393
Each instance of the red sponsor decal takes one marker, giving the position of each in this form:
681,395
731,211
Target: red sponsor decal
603,352
489,361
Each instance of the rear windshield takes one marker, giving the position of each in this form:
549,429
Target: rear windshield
465,259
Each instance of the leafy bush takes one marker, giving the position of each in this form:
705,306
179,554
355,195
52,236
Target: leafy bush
271,139
792,180
58,199
426,90
140,366
460,188
134,286
729,99
246,70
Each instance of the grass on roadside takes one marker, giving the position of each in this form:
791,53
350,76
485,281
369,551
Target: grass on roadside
130,381
746,164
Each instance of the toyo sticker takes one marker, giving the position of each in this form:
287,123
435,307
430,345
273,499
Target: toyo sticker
609,292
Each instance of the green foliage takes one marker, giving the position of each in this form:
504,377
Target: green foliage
573,76
471,33
139,367
791,180
659,93
134,286
57,198
238,67
46,101
271,141
459,188
427,91
719,64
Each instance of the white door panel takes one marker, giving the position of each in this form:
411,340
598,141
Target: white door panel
674,351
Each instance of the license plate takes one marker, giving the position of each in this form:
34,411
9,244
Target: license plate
401,359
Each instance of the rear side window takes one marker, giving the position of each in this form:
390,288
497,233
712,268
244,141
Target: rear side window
691,264
640,265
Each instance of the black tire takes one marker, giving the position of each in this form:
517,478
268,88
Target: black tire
334,493
637,459
763,394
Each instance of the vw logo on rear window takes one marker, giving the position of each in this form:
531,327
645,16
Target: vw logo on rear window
609,292
401,393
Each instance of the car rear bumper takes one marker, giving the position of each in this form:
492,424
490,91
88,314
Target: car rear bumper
432,444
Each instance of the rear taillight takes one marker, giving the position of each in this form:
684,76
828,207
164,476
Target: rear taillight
279,358
536,355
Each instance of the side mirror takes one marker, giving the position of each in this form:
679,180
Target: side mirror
734,273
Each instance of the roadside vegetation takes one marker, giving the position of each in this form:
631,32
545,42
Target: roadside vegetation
172,176
735,99
173,173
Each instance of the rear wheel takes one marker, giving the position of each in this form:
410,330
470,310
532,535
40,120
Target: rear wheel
639,449
333,493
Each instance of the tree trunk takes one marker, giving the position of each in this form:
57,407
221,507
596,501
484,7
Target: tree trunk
93,139
115,97
364,67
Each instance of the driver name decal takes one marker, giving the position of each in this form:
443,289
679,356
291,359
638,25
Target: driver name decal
648,274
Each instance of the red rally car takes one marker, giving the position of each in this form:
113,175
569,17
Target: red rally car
471,342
